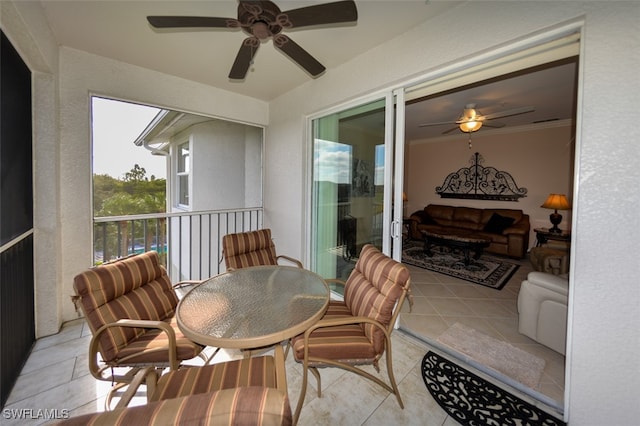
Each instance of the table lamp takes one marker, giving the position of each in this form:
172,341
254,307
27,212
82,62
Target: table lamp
556,202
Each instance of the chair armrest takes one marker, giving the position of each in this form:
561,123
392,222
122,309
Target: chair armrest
290,259
186,283
549,281
183,287
96,370
335,281
338,282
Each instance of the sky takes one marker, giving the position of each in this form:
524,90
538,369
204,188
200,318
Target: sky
114,128
333,162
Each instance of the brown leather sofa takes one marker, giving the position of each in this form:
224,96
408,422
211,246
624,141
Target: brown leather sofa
507,229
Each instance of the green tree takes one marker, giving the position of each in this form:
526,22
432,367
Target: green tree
104,186
134,194
137,174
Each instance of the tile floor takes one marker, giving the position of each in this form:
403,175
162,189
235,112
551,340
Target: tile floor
55,377
440,301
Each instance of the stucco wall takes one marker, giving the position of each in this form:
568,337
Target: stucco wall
82,74
603,339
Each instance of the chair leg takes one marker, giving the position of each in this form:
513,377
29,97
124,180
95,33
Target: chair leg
303,393
316,373
392,377
207,359
303,390
124,380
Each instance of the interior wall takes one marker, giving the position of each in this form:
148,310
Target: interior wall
539,158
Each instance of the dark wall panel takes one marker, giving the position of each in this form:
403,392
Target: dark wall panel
15,144
17,325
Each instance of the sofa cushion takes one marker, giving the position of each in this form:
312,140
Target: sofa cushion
497,223
441,214
467,218
517,215
424,217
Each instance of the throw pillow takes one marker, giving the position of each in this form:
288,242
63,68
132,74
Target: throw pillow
424,217
497,224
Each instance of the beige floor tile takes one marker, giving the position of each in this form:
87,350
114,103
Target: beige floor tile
421,306
434,290
488,308
32,383
451,307
429,326
469,291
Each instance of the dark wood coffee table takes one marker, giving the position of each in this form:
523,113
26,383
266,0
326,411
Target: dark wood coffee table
464,243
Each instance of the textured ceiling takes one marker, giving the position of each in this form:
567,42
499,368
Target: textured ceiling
119,30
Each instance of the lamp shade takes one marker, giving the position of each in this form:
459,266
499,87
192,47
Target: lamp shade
556,202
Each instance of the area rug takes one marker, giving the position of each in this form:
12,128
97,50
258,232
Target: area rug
501,357
489,271
471,400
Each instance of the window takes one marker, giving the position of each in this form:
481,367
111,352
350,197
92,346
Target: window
183,174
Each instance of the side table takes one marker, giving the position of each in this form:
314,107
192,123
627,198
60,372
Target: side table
543,235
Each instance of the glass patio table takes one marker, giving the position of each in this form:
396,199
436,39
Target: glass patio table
253,307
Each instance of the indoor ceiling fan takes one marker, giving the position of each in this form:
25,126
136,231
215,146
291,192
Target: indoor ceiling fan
472,120
263,20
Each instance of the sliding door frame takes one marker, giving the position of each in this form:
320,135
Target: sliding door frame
487,61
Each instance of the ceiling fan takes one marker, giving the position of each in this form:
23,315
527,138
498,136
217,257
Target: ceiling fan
472,120
263,20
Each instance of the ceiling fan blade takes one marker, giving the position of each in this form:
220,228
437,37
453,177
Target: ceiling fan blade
446,132
298,54
328,13
509,113
243,58
493,124
192,22
439,123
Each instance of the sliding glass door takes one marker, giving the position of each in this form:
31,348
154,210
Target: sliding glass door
351,188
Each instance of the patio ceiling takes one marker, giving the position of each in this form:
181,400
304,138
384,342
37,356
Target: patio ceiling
119,30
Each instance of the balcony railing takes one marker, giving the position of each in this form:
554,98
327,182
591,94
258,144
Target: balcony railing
189,243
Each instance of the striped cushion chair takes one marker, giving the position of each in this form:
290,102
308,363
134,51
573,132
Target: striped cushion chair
249,391
130,305
253,248
357,331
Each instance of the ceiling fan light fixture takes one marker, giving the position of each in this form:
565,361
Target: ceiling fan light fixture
470,126
261,30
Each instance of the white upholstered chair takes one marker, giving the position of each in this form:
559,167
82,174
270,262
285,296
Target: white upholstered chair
542,309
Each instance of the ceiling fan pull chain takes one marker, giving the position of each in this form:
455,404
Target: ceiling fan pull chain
469,140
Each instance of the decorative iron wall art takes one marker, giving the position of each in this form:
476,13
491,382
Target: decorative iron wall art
480,183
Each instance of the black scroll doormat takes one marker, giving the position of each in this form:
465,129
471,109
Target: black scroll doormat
471,400
489,271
